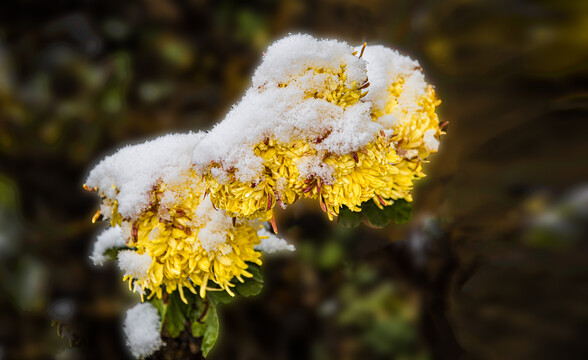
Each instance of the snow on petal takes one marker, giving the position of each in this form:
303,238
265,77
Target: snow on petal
430,141
270,243
109,239
129,175
134,264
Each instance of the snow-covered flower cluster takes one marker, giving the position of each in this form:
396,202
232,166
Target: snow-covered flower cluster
312,126
155,203
322,120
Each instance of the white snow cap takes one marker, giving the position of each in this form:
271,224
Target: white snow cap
130,174
142,330
134,264
273,243
109,239
293,55
384,67
280,106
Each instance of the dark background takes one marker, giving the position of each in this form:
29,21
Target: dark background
492,266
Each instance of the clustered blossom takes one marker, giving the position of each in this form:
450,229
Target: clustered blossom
178,240
312,126
322,120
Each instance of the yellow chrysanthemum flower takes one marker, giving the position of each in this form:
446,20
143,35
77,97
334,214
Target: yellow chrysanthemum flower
321,157
296,160
173,238
399,132
177,239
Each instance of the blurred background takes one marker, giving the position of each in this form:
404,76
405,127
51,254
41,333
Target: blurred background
492,266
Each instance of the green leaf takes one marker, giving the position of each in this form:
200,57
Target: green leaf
374,215
348,218
399,212
211,330
219,297
176,315
198,328
253,285
205,323
159,305
161,309
250,287
196,316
